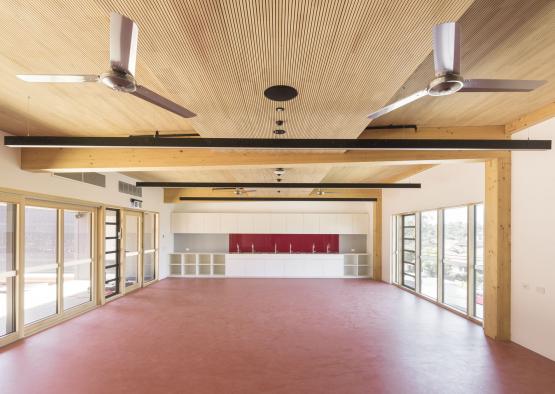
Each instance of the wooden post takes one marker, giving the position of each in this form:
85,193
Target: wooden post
377,243
497,238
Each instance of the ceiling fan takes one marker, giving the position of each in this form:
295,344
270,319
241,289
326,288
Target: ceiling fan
321,192
236,190
448,80
121,76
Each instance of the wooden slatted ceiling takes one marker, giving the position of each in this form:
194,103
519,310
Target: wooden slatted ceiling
216,58
508,39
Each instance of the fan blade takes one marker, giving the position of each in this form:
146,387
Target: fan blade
398,104
160,101
59,78
123,43
447,44
500,85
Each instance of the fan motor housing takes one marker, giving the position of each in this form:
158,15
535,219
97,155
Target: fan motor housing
121,82
445,85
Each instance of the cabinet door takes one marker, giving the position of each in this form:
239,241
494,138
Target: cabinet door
345,223
245,223
294,223
360,223
261,223
178,222
228,223
212,223
328,223
277,223
311,223
195,223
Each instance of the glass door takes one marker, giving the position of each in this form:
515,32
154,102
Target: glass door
150,246
428,253
455,257
8,220
132,250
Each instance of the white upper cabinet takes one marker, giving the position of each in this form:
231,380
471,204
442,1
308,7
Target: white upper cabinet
245,223
212,223
328,223
344,223
311,223
228,223
293,223
261,223
360,223
278,223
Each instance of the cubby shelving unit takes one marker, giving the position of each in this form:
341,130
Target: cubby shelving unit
197,264
356,265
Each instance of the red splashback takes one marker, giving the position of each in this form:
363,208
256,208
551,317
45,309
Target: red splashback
299,242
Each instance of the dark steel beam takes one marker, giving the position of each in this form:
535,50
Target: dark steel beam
269,143
276,199
282,185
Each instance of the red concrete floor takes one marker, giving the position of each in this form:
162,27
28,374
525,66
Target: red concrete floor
270,336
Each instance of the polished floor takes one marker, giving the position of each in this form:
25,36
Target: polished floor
270,336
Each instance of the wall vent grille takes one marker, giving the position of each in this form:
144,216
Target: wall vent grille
128,188
92,178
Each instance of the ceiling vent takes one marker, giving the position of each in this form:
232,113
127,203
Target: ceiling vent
92,178
129,188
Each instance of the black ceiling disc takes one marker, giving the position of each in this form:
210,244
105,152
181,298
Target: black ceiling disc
280,93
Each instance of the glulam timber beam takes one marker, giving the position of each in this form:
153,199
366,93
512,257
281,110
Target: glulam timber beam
497,245
116,160
447,133
530,119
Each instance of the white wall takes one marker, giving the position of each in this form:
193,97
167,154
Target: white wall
12,177
533,240
443,186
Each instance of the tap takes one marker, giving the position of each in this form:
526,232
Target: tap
290,248
238,249
327,248
252,247
313,248
275,247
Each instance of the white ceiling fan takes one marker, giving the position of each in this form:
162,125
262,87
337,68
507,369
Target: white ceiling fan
121,76
236,190
448,80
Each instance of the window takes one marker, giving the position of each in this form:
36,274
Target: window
41,263
7,267
479,261
440,254
132,246
77,271
409,251
455,257
111,253
428,253
150,246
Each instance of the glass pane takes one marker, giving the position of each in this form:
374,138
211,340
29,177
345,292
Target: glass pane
409,232
41,295
111,245
111,216
77,247
77,285
40,284
148,267
7,263
131,270
111,289
111,231
7,305
110,259
149,234
455,264
410,244
111,273
479,260
131,233
409,269
409,257
428,253
409,220
409,281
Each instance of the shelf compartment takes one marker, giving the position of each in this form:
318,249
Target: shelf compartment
219,259
204,259
175,259
190,258
190,270
175,269
350,271
219,270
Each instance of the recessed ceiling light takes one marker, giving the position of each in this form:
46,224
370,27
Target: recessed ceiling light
279,131
280,109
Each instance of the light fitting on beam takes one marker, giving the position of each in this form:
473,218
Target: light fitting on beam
272,143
